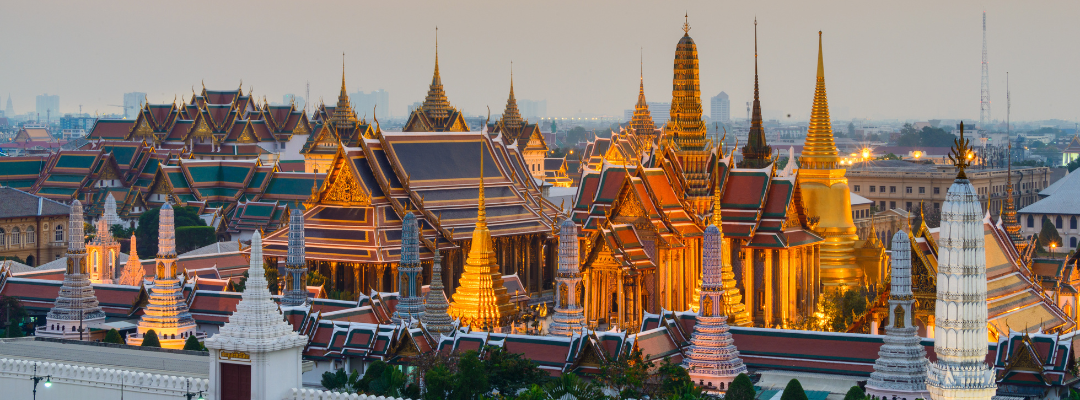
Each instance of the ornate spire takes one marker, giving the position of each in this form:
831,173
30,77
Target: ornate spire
410,305
435,319
569,318
134,273
76,304
642,122
166,312
436,106
295,267
110,211
901,364
257,325
756,153
481,299
961,154
685,123
960,371
511,118
344,116
1008,209
686,25
716,256
819,152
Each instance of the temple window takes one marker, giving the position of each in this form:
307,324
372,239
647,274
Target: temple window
937,190
1057,222
922,190
892,189
30,234
1031,221
3,237
59,233
907,190
1072,223
16,236
1072,242
856,188
872,189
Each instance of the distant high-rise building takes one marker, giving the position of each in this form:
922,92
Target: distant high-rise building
414,106
364,103
720,108
661,112
48,105
533,109
290,98
9,111
133,102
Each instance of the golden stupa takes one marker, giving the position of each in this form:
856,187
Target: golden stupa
481,300
826,194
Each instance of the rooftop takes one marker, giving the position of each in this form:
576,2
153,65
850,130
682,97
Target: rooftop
1063,199
15,203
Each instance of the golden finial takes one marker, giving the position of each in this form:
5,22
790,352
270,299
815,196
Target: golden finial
481,212
961,154
686,25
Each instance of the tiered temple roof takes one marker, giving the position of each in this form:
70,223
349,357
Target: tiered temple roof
436,114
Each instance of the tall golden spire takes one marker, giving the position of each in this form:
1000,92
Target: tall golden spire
1008,209
819,152
757,153
642,122
481,300
826,194
511,118
685,123
436,106
344,116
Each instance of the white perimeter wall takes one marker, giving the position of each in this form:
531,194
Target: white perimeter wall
84,383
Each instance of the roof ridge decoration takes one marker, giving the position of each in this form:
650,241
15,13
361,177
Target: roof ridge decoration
257,325
642,122
961,153
134,273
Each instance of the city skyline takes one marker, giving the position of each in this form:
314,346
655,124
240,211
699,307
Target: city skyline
887,62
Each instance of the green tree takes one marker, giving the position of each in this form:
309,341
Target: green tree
189,238
1048,235
508,372
793,391
113,336
374,372
740,389
626,375
570,384
13,258
439,383
12,313
471,380
119,231
147,232
150,339
855,393
192,343
1072,165
340,381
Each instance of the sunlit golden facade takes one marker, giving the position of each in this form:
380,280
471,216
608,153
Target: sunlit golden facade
826,194
685,129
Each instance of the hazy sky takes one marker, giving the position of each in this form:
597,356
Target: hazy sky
910,59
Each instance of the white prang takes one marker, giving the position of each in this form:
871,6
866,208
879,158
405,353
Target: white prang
900,370
960,338
109,215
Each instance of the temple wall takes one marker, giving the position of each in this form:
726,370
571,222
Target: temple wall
77,382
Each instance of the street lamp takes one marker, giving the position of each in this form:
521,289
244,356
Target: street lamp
36,379
189,395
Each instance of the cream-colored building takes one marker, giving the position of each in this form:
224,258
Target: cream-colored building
901,184
1061,204
32,228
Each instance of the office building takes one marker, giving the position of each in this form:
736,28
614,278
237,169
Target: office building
133,102
48,106
365,103
533,109
720,108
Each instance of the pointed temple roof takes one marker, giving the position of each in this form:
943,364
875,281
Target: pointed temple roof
756,153
511,118
435,318
76,300
436,114
642,122
133,274
819,152
685,123
257,325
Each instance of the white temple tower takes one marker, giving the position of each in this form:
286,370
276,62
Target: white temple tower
569,318
410,306
109,215
166,314
295,293
900,370
435,318
960,338
76,308
712,360
256,355
133,274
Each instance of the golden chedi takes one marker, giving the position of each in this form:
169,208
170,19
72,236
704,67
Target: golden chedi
826,194
481,300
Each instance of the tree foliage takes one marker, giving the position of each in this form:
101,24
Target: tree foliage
926,137
119,231
150,339
147,232
113,336
189,238
793,391
340,381
1048,235
626,375
740,389
855,393
192,343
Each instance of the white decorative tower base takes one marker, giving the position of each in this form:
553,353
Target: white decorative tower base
900,370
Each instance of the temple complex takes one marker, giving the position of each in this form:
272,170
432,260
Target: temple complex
642,122
167,313
103,255
900,369
435,318
960,371
436,114
826,194
481,300
133,273
295,268
712,359
76,309
569,318
685,128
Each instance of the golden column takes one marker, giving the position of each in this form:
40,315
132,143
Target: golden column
481,299
826,194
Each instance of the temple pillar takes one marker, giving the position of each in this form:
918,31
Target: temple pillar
358,285
394,277
333,276
874,323
621,299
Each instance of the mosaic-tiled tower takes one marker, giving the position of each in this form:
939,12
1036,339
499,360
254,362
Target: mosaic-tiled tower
960,338
102,255
900,370
76,305
166,314
712,360
134,273
569,318
435,318
109,215
295,293
410,306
